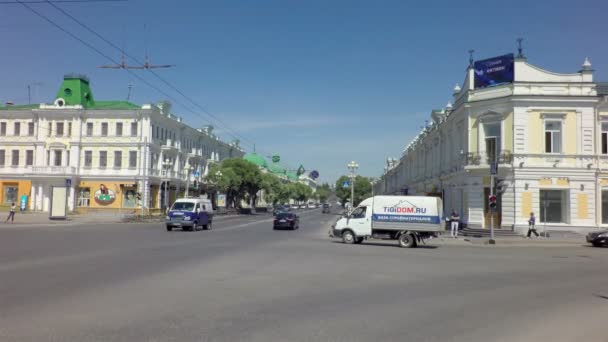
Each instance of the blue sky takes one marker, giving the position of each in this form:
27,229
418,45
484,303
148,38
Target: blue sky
318,82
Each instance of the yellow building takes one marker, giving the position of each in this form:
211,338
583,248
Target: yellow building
546,132
111,155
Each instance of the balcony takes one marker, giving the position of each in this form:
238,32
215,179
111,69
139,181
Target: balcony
483,160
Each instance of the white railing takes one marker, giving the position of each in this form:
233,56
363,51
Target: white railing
54,170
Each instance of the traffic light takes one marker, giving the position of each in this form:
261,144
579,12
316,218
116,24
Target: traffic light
492,199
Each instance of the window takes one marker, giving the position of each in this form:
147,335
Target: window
605,138
133,129
67,158
88,158
69,129
17,128
553,206
104,129
2,128
59,129
84,196
103,159
604,206
359,212
117,159
129,199
119,129
492,133
2,157
50,129
15,158
30,129
11,192
553,136
132,159
29,157
57,158
89,129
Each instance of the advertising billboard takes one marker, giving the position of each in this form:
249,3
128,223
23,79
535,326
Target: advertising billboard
494,71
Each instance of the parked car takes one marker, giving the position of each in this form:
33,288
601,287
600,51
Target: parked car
598,239
294,206
190,214
302,206
286,220
311,206
325,208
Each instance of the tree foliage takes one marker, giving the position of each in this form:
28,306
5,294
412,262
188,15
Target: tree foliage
363,189
323,192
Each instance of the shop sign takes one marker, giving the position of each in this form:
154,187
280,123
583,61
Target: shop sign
104,196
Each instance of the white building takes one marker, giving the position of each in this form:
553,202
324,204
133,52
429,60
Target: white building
548,133
105,151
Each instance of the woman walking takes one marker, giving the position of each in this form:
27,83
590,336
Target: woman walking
11,214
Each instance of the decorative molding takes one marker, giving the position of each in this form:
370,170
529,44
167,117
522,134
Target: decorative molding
559,116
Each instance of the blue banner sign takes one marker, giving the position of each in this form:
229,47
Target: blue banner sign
494,71
405,218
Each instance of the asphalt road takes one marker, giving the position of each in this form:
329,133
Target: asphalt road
243,281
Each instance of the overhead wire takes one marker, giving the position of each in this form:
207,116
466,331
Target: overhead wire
232,132
101,53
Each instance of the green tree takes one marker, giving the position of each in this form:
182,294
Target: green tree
363,189
272,187
323,192
250,175
229,183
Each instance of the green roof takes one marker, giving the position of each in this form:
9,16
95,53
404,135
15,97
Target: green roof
256,159
292,176
276,169
114,105
75,90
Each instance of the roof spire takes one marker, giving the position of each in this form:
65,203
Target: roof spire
520,53
586,64
471,58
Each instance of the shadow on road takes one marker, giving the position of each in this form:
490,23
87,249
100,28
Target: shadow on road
393,245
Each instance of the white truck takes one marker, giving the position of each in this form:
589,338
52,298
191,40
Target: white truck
409,219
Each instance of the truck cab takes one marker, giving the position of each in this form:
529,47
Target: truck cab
359,221
190,214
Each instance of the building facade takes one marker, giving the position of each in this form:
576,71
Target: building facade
108,153
546,132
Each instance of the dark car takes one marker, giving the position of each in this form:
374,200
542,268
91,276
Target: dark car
280,209
325,208
286,220
598,239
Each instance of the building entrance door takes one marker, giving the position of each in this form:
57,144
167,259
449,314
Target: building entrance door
486,209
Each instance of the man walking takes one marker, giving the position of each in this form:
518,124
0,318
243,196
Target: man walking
532,226
454,218
11,214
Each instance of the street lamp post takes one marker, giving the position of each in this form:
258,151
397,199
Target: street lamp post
218,176
188,168
166,166
352,166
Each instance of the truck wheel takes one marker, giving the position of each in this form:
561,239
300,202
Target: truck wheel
407,240
207,226
359,240
169,228
348,237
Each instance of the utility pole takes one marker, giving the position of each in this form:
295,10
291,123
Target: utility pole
352,166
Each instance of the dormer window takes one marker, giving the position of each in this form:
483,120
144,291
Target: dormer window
67,92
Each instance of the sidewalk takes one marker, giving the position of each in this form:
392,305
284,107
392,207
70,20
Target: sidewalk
42,218
556,239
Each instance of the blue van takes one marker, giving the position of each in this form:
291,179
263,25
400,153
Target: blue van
190,214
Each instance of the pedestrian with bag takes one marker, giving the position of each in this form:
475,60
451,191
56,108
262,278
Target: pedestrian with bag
454,220
532,226
11,214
